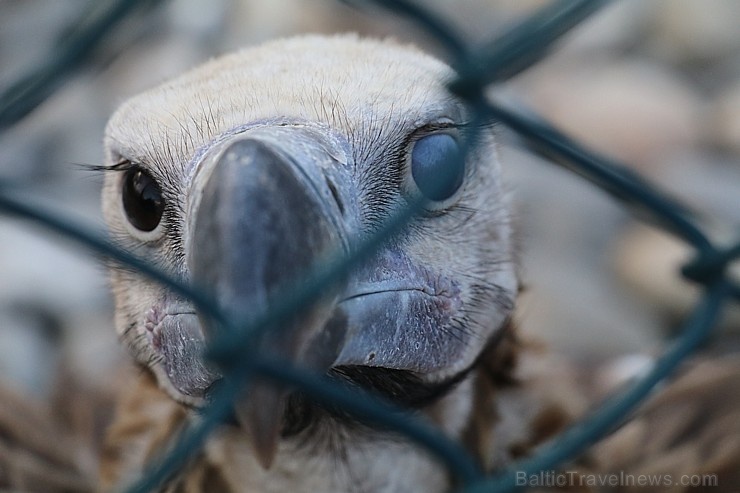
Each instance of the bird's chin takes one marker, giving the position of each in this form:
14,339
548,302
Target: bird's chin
394,338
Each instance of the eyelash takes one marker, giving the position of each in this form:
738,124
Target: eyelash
123,165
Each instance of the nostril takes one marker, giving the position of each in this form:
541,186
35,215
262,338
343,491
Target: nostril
335,194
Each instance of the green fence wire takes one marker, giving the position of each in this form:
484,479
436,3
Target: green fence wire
501,58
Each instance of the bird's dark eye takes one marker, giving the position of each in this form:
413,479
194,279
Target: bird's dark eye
437,166
142,200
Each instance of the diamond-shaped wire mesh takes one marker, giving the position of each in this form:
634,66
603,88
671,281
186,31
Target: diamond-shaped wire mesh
477,69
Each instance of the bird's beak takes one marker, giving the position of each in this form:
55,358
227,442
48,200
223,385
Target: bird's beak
270,205
269,208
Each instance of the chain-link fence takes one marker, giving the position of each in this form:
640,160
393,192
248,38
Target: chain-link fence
476,70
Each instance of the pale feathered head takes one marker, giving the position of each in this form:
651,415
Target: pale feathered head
241,174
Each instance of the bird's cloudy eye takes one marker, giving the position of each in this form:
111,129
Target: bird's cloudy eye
142,200
437,166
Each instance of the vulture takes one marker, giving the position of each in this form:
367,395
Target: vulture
243,175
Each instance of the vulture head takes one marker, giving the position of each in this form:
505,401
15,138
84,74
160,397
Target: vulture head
243,174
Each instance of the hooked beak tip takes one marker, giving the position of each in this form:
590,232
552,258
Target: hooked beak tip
261,415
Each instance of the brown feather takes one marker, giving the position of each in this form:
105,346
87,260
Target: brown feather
692,427
36,453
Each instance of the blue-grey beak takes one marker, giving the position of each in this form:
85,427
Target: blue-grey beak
270,205
268,214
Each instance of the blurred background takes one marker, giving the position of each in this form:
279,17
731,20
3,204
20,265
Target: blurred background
653,83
